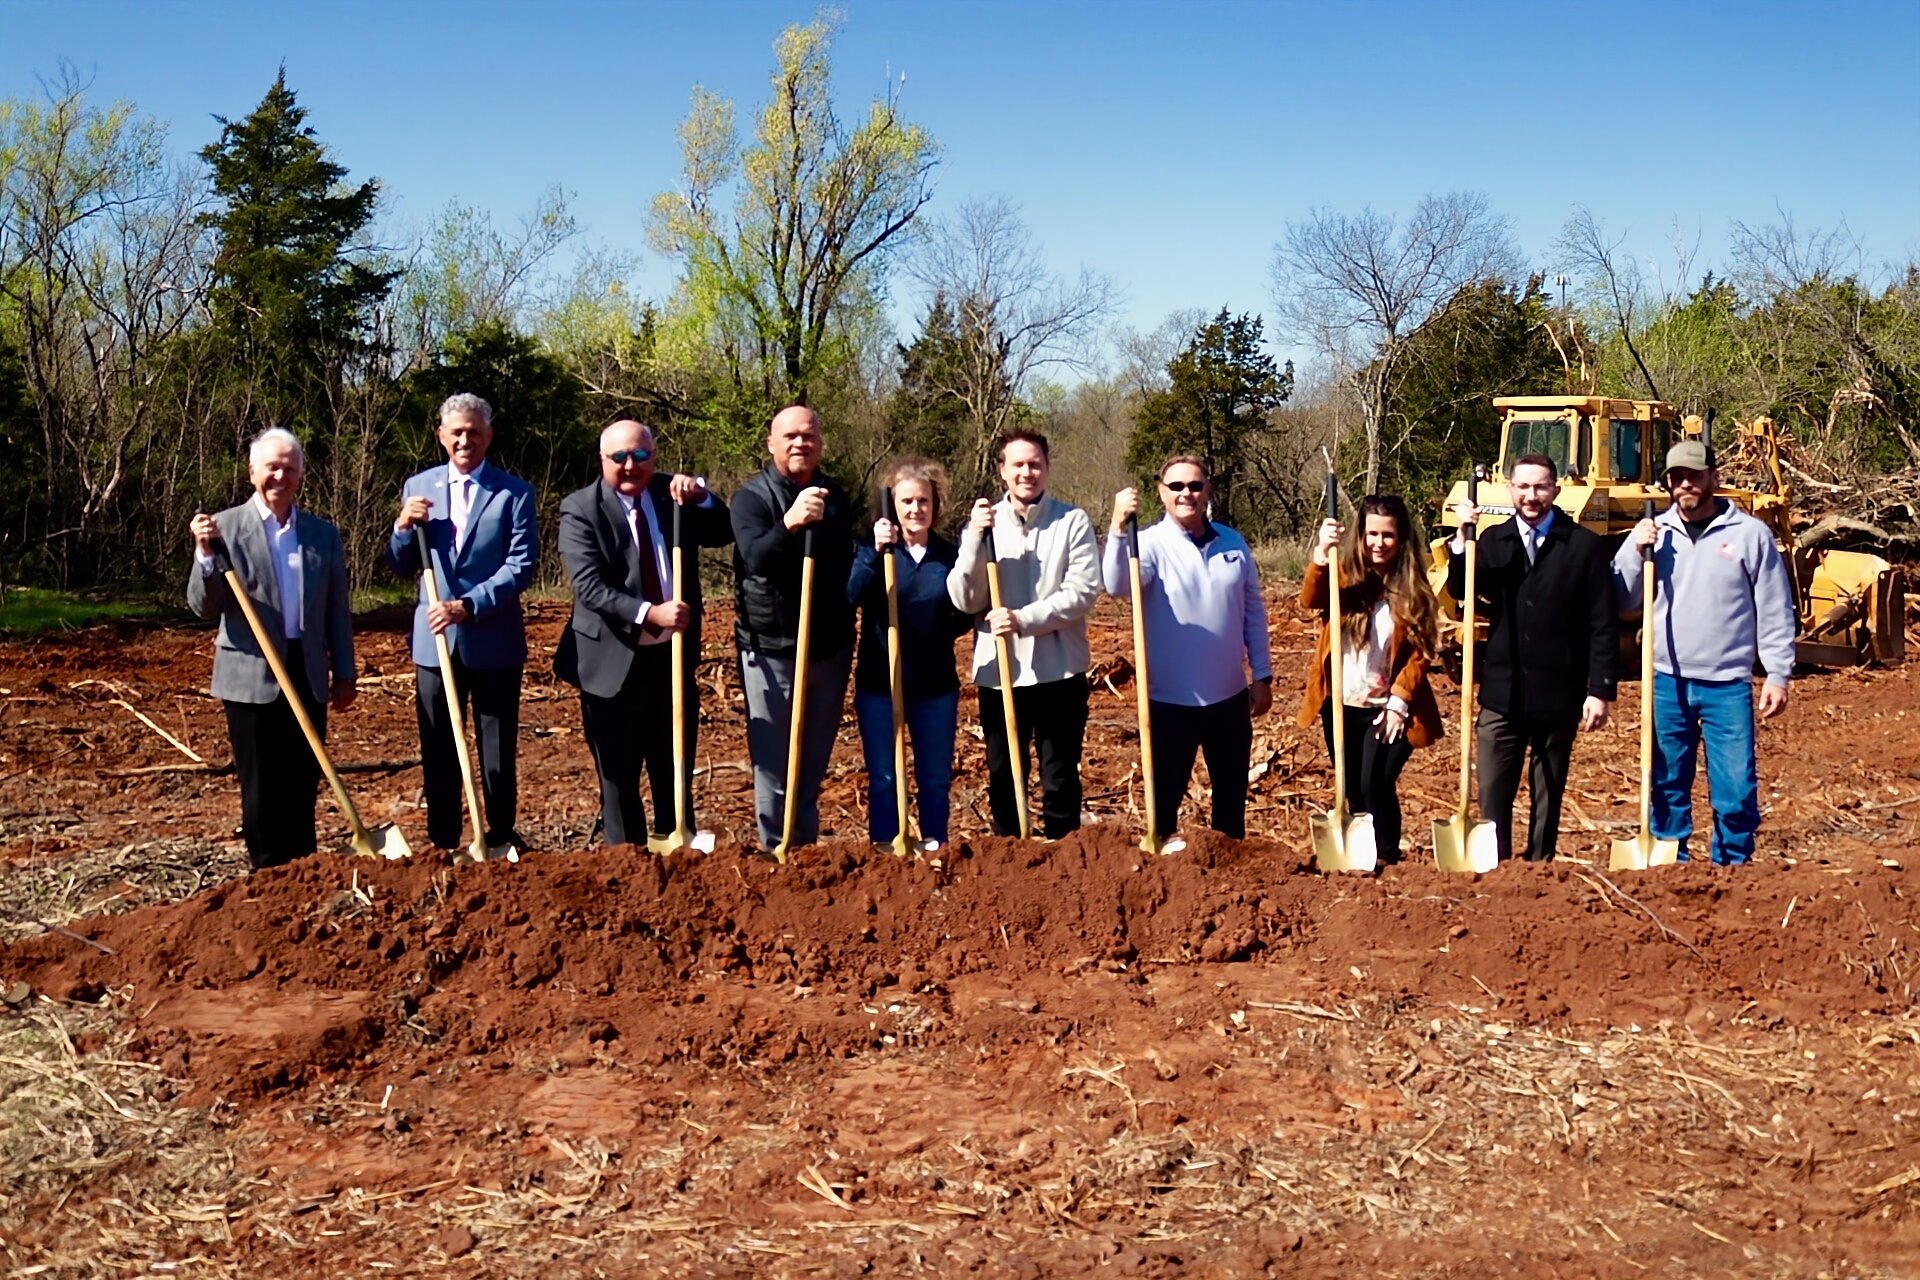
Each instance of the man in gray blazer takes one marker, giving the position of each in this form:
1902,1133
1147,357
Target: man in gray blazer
615,539
294,568
475,524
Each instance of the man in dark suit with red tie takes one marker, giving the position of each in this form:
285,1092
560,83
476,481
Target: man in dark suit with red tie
615,539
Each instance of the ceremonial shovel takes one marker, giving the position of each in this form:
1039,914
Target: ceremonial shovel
1340,843
896,679
682,837
1004,652
383,842
1642,851
1152,843
477,848
1460,845
801,653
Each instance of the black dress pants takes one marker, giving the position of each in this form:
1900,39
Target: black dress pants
634,728
1373,773
1503,745
1051,717
277,771
1223,733
494,701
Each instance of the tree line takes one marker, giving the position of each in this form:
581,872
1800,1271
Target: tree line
157,311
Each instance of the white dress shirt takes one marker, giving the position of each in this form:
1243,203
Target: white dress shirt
283,540
460,492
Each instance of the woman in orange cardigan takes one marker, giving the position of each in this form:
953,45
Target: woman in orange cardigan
1391,624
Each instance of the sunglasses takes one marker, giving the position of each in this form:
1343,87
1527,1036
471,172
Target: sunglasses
1185,486
620,457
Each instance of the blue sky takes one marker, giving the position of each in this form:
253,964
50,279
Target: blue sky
1164,144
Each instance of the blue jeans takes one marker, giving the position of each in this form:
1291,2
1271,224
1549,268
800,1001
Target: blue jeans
1716,714
931,724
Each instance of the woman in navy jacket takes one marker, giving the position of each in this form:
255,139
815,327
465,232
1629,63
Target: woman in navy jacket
929,624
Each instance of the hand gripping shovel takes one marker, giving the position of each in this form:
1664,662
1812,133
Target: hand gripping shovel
802,652
385,842
683,837
1152,843
896,681
1004,652
1340,842
477,848
1460,845
1642,851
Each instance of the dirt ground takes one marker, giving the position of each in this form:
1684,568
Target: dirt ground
1021,1060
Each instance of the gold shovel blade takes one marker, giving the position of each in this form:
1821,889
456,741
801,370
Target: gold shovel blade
698,841
1643,852
1164,848
1465,847
1351,849
380,842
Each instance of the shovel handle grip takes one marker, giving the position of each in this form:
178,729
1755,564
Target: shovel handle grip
1133,537
1469,532
1646,552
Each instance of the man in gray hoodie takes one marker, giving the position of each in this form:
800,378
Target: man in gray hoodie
1735,608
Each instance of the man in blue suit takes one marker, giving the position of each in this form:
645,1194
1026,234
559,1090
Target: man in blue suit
475,524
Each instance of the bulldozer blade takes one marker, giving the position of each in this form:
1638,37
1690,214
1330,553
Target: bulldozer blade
1348,849
1463,846
380,842
1642,852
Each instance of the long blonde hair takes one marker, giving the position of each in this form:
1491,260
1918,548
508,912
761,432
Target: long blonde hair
1416,613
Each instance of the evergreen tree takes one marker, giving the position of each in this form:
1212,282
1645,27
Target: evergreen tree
1223,385
289,295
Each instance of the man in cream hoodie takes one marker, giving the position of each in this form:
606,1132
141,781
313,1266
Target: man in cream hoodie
1722,601
1049,579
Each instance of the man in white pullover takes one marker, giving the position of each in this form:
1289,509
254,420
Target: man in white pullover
1206,632
1049,580
1734,601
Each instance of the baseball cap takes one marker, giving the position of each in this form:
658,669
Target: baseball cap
1691,455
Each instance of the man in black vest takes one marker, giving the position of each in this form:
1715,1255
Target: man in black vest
1553,649
774,513
615,539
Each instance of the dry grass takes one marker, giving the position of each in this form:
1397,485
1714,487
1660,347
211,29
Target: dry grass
100,1172
79,886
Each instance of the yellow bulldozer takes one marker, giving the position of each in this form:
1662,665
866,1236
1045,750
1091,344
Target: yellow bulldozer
1609,453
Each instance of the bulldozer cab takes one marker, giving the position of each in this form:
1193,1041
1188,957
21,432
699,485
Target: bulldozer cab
1609,454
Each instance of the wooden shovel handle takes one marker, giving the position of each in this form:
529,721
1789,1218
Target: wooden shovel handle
271,652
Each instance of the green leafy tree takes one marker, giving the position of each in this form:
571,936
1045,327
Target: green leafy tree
542,428
783,242
1221,388
1489,339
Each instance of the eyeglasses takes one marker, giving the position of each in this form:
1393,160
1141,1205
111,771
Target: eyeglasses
1185,486
620,457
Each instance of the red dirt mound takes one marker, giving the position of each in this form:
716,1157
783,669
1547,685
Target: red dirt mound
285,977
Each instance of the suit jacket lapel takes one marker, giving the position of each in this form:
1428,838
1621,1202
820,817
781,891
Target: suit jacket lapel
616,517
482,495
312,572
259,553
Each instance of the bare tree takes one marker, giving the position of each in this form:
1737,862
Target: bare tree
1359,285
1013,317
101,261
1833,342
